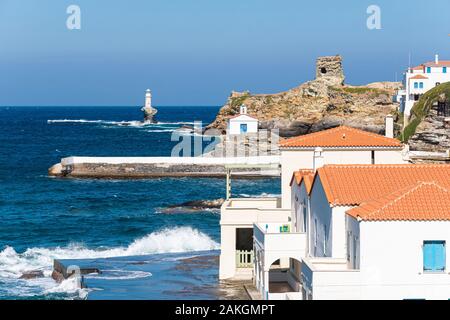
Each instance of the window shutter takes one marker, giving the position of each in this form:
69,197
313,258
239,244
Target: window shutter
439,254
428,261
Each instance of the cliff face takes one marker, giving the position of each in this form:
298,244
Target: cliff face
429,125
316,105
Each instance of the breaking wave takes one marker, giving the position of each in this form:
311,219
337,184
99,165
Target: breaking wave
261,195
119,123
13,265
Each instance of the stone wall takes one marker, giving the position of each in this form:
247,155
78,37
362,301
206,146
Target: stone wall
330,69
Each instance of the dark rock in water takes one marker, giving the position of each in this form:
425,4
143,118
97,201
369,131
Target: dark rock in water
200,204
149,114
27,275
193,206
57,276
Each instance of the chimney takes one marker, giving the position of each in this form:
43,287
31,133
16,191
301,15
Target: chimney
436,59
389,130
318,161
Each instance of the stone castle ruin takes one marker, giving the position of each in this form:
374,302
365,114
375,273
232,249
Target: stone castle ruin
330,70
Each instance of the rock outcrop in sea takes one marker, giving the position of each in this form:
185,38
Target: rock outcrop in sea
316,105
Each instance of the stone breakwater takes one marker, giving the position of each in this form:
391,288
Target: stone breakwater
155,167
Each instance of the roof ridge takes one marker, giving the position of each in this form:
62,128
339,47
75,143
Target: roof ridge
317,133
372,134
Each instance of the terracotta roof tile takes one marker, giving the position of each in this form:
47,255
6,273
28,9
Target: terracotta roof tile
342,136
350,185
419,76
302,174
420,202
442,63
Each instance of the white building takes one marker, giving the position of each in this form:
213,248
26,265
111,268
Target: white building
360,232
242,123
418,80
340,145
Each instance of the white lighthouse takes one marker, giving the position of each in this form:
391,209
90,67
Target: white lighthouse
148,99
149,111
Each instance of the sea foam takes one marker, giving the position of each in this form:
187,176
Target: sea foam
169,240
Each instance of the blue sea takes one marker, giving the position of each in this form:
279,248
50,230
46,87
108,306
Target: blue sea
107,221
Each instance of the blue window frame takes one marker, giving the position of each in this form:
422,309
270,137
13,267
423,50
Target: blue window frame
243,127
428,69
434,256
444,69
416,85
421,85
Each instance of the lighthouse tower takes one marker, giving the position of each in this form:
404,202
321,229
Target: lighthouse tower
149,111
148,99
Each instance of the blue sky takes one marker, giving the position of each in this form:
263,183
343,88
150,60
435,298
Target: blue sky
194,52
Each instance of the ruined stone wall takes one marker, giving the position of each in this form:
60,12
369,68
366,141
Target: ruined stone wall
330,69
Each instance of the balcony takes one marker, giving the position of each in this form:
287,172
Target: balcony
330,278
278,240
246,211
278,255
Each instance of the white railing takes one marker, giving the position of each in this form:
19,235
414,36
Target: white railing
244,259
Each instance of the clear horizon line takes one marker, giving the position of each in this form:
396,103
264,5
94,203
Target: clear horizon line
103,106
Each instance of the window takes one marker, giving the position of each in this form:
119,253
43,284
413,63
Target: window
325,240
243,127
444,69
434,256
421,85
373,156
428,69
416,85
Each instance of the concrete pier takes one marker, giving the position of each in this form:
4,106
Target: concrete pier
154,167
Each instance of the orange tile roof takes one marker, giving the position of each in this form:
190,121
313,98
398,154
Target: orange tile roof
300,174
350,185
420,202
419,76
442,63
343,137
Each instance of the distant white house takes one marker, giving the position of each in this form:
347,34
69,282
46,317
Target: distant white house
242,123
418,80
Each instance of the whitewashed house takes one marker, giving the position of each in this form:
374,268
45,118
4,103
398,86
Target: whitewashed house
418,80
242,123
368,232
238,216
340,145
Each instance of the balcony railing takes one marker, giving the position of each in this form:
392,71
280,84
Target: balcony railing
244,259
